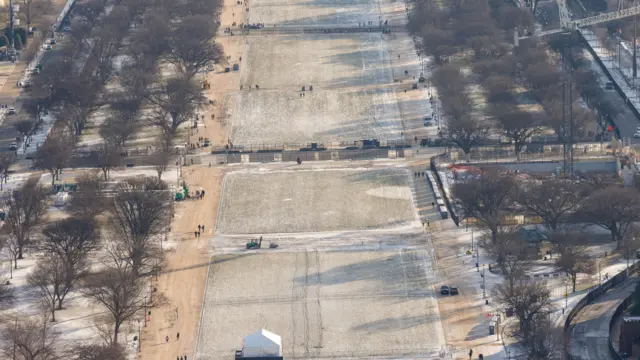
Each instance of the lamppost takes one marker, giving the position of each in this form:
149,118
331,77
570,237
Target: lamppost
145,311
484,284
139,339
478,257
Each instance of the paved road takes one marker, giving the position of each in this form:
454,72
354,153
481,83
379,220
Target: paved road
590,331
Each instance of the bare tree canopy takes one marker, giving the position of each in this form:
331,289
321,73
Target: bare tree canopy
176,100
49,277
88,201
160,161
55,154
28,339
461,127
573,256
6,160
26,208
72,239
552,199
108,157
507,244
138,214
121,292
192,44
486,198
517,125
97,352
613,208
531,303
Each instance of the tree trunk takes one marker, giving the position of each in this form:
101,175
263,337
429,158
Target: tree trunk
15,262
53,177
53,313
116,329
20,252
574,277
160,174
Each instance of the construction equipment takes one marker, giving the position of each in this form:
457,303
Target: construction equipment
253,244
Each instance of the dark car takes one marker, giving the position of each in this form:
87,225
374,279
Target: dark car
444,290
453,290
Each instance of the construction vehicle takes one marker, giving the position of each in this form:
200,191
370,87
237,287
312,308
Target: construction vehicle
254,244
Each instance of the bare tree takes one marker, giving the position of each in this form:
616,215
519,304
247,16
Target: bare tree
97,352
517,125
26,208
72,240
49,277
160,162
123,122
176,101
530,301
26,129
630,243
55,154
613,208
121,292
138,214
6,160
552,199
88,201
108,157
26,338
573,257
27,11
461,128
192,44
486,198
507,244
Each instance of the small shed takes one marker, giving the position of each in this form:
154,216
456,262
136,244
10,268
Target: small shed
262,343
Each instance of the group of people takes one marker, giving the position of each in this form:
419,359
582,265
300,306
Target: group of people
197,233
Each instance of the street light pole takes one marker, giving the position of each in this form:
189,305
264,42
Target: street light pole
478,257
139,338
145,311
484,284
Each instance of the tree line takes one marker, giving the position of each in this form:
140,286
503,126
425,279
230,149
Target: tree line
565,207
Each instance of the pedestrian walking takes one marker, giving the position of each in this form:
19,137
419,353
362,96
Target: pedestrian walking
166,338
470,353
198,233
428,223
433,205
178,336
202,228
203,194
178,357
185,356
199,227
195,233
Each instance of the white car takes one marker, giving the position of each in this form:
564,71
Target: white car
636,135
13,146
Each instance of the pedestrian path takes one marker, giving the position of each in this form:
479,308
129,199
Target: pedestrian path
423,195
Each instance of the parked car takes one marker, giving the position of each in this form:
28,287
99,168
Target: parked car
13,146
453,290
636,135
444,290
12,110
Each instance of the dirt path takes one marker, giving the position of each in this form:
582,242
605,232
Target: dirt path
183,276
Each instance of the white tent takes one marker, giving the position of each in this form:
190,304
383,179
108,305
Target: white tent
262,343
